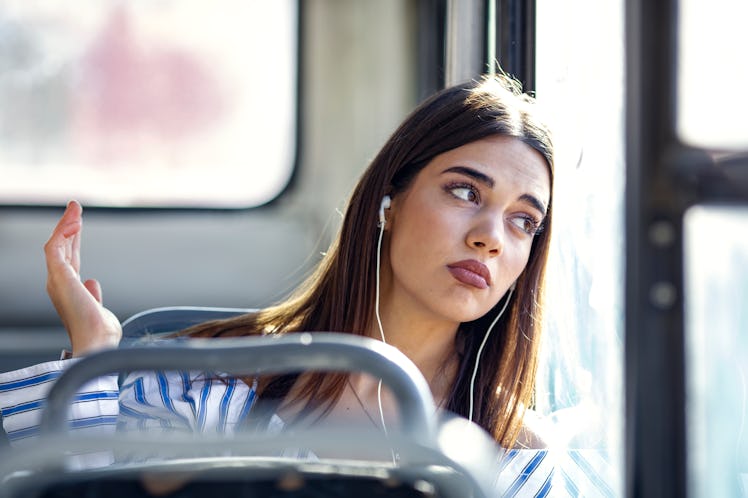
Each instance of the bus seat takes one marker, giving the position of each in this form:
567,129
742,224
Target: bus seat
432,458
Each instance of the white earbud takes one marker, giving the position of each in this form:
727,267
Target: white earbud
386,201
513,287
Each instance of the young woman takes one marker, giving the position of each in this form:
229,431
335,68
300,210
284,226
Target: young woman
448,226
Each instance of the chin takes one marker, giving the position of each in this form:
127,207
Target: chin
460,307
466,313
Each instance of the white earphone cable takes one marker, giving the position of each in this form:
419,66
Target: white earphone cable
480,350
381,333
376,298
379,321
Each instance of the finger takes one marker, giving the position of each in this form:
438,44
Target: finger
94,287
70,221
63,245
75,254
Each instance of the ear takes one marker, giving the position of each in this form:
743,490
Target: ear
389,203
383,206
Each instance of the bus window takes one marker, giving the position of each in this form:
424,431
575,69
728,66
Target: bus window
712,74
712,104
716,271
163,104
579,75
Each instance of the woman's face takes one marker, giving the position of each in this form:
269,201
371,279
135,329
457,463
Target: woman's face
461,233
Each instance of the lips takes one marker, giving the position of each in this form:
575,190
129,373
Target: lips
471,272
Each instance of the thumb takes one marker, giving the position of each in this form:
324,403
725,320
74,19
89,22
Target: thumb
94,288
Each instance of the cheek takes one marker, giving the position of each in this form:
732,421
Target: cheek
415,245
515,261
422,230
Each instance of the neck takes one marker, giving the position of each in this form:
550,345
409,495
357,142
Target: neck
429,344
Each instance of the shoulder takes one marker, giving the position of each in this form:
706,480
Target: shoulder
533,434
527,469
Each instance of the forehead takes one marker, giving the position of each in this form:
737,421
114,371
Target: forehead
508,161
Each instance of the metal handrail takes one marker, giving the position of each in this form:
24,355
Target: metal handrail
266,355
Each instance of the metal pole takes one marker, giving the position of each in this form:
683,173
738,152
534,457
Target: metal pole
465,40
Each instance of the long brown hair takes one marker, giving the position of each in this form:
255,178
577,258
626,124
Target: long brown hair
339,296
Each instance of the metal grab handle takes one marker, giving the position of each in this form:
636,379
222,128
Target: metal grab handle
262,355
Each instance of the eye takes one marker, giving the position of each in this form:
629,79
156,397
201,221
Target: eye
463,191
528,224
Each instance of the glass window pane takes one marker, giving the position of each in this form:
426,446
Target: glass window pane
716,256
186,103
712,73
580,85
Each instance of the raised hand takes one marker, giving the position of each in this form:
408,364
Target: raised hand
89,324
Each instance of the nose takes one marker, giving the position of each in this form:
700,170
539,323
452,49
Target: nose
487,235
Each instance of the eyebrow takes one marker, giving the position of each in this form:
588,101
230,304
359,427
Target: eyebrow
472,173
490,182
535,202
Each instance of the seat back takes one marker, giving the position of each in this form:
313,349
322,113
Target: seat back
159,321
